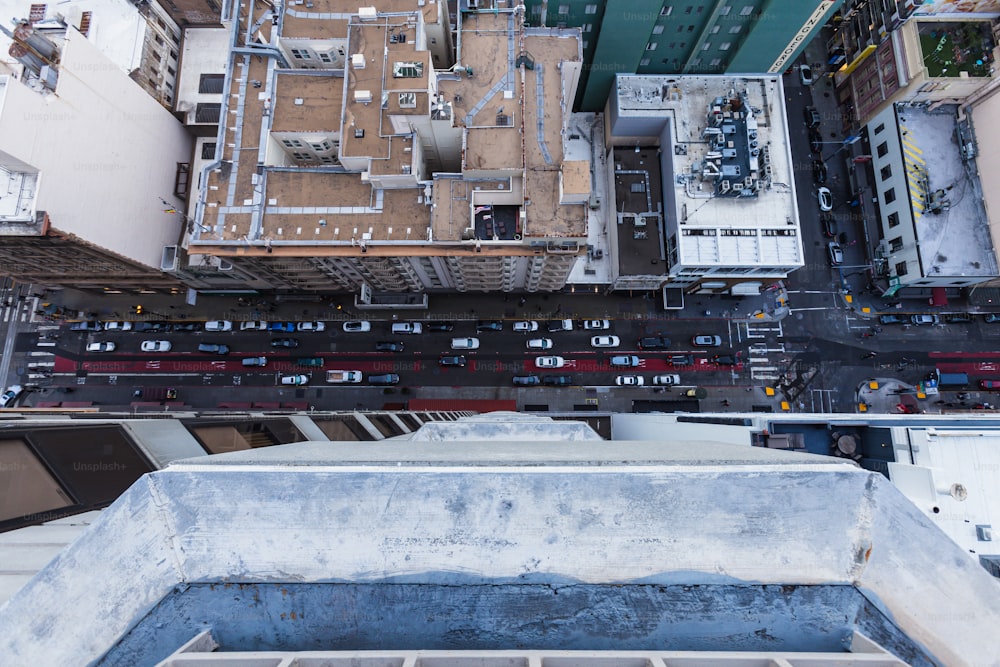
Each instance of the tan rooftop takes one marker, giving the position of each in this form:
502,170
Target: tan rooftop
327,19
576,177
307,101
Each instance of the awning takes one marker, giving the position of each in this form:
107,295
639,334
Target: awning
938,297
746,289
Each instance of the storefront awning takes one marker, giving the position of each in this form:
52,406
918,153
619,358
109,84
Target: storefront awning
746,289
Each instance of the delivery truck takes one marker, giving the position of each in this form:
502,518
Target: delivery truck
343,377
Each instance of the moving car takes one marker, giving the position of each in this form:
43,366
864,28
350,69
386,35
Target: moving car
550,362
296,380
388,346
152,327
706,341
357,326
596,325
666,380
629,381
680,360
104,346
384,379
311,326
835,252
213,348
283,327
526,326
825,199
489,325
991,317
9,396
628,360
86,326
605,341
254,325
539,344
407,328
557,380
287,343
155,346
465,343
819,171
811,116
316,362
805,75
653,343
891,319
527,380
724,360
117,326
958,318
439,326
990,385
555,326
829,224
187,326
218,325
255,361
924,319
452,360
815,141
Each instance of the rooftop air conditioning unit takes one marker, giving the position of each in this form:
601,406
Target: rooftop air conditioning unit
358,61
363,96
367,13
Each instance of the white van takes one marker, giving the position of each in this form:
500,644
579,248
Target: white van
407,328
465,343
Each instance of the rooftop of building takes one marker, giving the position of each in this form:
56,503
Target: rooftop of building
747,215
307,101
328,19
957,48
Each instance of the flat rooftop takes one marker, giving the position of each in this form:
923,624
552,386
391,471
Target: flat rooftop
307,101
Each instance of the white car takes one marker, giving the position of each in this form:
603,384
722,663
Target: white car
117,326
465,343
539,344
666,380
526,326
104,346
357,326
806,75
597,325
254,325
10,395
311,326
155,346
629,381
407,328
825,199
296,380
605,341
218,325
549,362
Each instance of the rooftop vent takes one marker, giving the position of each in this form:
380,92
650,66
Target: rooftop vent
367,13
358,61
363,96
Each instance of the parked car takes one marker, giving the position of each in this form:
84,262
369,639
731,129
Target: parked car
187,326
629,381
384,379
557,380
835,253
152,327
555,326
297,380
829,224
989,385
549,362
628,360
452,360
811,117
253,325
388,346
288,343
213,348
489,325
357,326
825,199
805,75
605,341
680,360
465,343
439,326
103,346
819,172
526,326
255,361
925,319
666,380
891,319
281,327
596,325
218,325
311,326
86,326
991,317
815,141
706,341
155,346
527,380
10,395
117,326
309,361
653,343
539,344
958,318
724,360
407,328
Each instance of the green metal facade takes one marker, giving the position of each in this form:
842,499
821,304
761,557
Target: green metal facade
680,36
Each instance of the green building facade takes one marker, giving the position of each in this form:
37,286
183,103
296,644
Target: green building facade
681,36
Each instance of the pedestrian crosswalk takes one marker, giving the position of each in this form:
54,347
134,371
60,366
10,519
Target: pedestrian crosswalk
16,311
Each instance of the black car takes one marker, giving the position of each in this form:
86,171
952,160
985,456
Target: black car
811,116
285,342
384,379
819,172
829,225
892,319
958,318
815,141
653,343
439,326
555,326
213,348
724,360
489,325
557,380
452,360
187,326
151,327
680,360
527,380
388,346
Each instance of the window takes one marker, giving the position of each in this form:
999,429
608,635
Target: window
880,128
725,46
666,11
587,27
687,10
171,71
886,172
564,9
590,9
736,29
301,54
901,269
657,29
410,70
896,244
882,149
325,57
211,84
706,46
690,28
714,30
207,113
644,62
651,46
893,219
716,62
158,40
302,156
680,28
724,10
292,143
208,151
747,10
160,23
890,195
